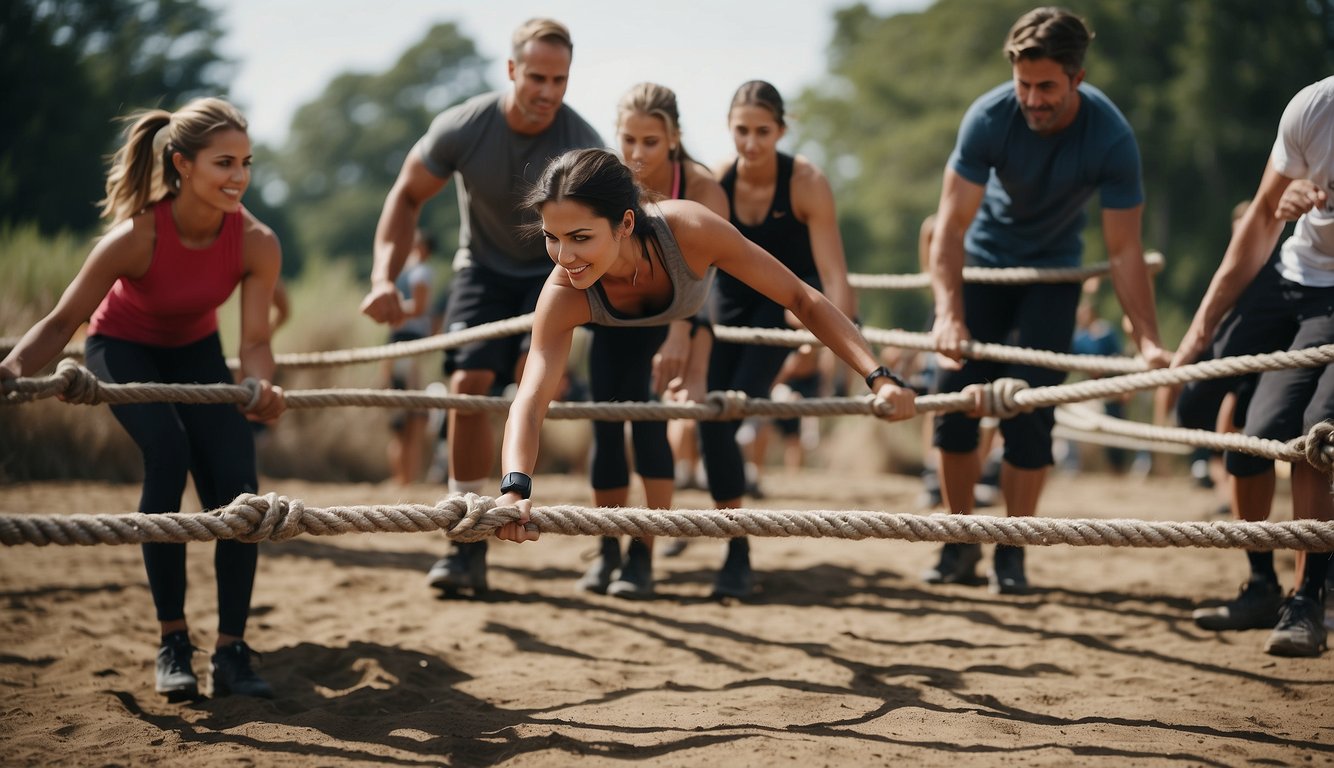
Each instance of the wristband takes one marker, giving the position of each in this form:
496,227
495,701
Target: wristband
517,482
883,373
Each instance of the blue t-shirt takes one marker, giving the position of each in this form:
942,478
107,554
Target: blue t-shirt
1032,213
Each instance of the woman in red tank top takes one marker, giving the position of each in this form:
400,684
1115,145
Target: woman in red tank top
179,243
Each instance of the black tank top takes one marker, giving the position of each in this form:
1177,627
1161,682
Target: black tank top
779,233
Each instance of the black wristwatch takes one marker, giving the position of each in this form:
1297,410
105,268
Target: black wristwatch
516,482
883,373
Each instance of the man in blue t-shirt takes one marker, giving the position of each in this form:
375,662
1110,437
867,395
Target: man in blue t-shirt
1030,154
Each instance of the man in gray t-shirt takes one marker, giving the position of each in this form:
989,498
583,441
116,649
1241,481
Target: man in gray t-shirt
494,146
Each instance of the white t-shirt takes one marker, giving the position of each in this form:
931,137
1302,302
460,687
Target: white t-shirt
1305,150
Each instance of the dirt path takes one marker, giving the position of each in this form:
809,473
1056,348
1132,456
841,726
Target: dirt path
844,659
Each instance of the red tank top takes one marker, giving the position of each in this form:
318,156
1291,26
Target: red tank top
175,302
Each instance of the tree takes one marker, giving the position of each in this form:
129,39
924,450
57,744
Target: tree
70,68
347,146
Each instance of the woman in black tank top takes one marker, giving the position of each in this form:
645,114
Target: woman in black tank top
638,364
785,205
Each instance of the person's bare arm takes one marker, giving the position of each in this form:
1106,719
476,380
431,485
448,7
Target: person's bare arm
560,309
1131,281
959,201
714,241
813,203
394,234
1253,239
126,251
263,261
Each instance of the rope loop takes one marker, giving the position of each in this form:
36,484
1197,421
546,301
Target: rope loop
999,398
81,385
729,405
251,385
1319,447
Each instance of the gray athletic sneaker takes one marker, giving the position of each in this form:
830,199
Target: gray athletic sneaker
634,580
1300,630
232,673
1255,607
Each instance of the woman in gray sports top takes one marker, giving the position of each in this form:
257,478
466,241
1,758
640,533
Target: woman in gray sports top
620,265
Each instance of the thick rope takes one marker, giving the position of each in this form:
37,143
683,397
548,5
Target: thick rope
472,517
1003,398
1005,276
922,342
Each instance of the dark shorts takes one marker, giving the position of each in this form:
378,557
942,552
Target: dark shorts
1287,403
478,296
1038,316
1249,329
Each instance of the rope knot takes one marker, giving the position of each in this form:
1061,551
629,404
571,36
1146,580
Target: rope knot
271,516
81,385
1319,447
477,517
729,405
999,398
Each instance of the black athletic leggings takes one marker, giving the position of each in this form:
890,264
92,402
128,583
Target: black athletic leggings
620,368
749,368
211,442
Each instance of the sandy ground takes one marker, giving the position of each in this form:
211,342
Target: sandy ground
844,659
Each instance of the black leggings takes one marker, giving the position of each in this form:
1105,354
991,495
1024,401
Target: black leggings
620,368
749,368
211,442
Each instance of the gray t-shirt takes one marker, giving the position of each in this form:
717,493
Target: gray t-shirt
493,168
689,291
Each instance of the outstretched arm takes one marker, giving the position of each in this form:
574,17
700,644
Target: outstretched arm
263,260
560,309
393,236
719,243
1254,238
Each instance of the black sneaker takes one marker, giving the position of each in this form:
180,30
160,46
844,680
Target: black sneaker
175,678
958,564
599,575
463,568
735,580
232,673
1007,571
1256,606
674,547
634,581
1300,630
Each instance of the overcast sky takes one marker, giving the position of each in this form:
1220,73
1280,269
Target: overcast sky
289,50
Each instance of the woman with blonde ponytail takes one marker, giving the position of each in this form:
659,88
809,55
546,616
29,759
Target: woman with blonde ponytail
178,244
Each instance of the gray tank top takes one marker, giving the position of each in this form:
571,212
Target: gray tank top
688,291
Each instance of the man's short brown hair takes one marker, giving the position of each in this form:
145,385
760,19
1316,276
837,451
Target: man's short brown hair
1050,33
546,30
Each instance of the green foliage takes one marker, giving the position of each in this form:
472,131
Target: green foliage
1202,81
347,146
69,69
